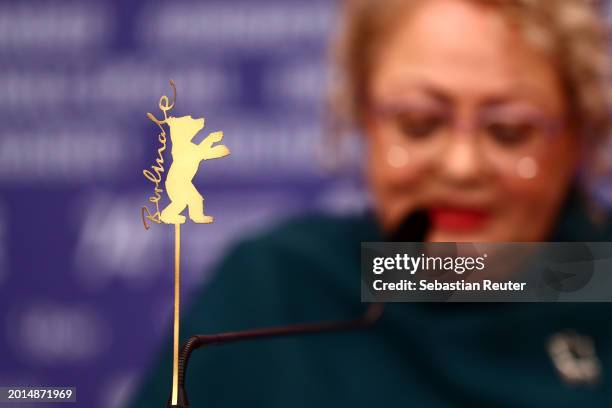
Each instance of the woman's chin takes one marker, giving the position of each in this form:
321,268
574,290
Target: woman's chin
447,235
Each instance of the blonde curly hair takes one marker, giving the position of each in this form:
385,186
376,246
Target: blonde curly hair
572,32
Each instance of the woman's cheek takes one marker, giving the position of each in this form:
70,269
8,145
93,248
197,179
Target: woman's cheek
529,208
394,182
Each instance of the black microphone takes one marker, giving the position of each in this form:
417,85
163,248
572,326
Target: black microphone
412,229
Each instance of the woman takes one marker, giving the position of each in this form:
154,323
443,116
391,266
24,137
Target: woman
484,114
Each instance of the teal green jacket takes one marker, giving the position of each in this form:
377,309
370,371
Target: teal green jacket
417,355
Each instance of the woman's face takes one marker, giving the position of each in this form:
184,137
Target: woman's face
466,120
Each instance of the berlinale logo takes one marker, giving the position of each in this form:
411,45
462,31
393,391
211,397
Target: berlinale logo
186,158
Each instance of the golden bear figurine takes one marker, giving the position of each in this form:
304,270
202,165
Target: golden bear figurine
186,158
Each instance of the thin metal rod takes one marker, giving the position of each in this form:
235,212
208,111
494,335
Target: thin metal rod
177,297
369,317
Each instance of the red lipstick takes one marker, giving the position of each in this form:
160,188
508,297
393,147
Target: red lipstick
458,219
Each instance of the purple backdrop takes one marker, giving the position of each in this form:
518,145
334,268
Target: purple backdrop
81,282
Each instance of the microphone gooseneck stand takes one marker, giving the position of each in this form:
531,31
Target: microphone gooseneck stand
413,229
371,315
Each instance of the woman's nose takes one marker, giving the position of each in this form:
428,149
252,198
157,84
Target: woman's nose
460,161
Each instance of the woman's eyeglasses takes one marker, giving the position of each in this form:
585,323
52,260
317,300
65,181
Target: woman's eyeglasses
512,140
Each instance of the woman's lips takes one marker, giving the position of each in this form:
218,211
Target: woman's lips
458,219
